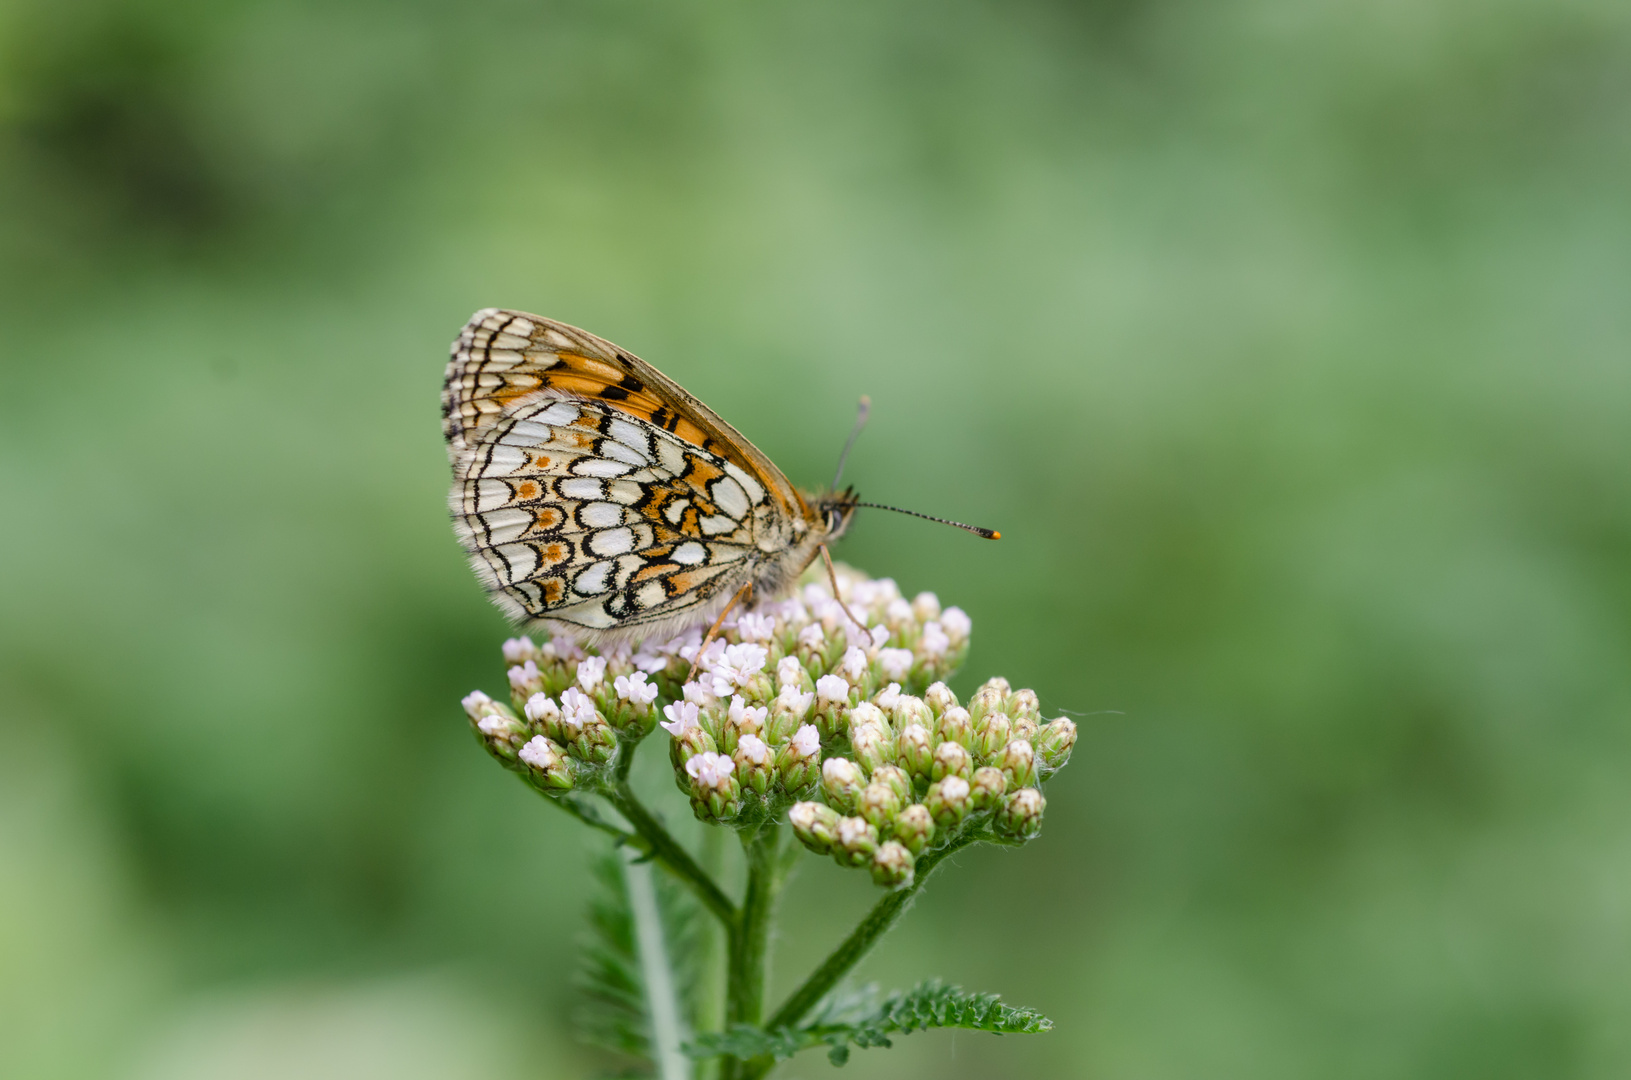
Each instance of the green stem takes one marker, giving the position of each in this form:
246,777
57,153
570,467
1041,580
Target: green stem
662,1003
751,934
668,851
883,915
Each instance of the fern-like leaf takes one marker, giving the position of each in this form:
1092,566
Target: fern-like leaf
861,1019
615,1012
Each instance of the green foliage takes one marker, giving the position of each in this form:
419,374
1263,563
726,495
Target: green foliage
614,1013
860,1019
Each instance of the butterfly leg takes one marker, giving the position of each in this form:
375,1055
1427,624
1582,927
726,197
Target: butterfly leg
743,594
832,576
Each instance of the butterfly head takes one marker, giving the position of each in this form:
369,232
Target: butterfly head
835,508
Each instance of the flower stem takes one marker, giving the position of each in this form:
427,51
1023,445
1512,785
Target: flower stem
668,851
662,1004
883,915
746,962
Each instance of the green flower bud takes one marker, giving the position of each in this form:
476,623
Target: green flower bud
856,842
715,792
896,778
798,763
911,710
499,729
988,699
987,787
956,727
1022,704
872,746
948,801
1017,761
998,684
1021,814
831,706
950,759
547,765
914,827
866,714
990,736
892,865
841,782
879,804
939,698
1023,728
815,825
1054,744
753,763
916,751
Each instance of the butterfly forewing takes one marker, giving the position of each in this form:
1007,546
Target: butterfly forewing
590,491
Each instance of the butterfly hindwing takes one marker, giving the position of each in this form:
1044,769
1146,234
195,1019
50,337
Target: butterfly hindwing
575,511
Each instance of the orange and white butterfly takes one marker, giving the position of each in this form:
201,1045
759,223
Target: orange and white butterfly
596,496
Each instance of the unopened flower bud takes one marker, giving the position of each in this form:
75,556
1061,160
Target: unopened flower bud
740,719
990,735
947,801
547,764
878,803
832,701
1022,728
689,744
1054,744
987,699
518,650
895,663
892,865
911,710
715,792
926,606
987,787
939,698
951,759
1017,761
1021,814
956,727
753,766
896,778
498,728
1023,704
545,715
525,681
815,825
790,709
789,672
957,626
584,732
867,714
914,827
798,763
916,751
872,747
841,782
856,842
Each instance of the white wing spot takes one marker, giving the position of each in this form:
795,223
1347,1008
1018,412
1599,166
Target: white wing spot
626,492
619,452
716,524
690,554
612,541
730,497
522,560
601,515
582,489
599,467
561,412
671,456
491,494
527,433
592,582
675,510
755,491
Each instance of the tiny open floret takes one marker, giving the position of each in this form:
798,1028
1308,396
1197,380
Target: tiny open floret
539,754
682,716
577,708
634,688
524,675
475,703
710,770
806,741
591,672
753,749
541,709
832,688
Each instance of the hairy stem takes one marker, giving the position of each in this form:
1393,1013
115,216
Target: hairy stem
749,938
666,850
883,915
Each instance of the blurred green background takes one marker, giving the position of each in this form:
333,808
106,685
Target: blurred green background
1288,344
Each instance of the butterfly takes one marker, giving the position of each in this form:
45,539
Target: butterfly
596,496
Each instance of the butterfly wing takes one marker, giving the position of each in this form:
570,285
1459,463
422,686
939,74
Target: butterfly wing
608,514
502,357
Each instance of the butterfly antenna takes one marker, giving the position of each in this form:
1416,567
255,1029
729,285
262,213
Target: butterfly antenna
862,411
989,534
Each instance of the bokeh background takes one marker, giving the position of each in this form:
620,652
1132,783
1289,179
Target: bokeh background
1288,343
